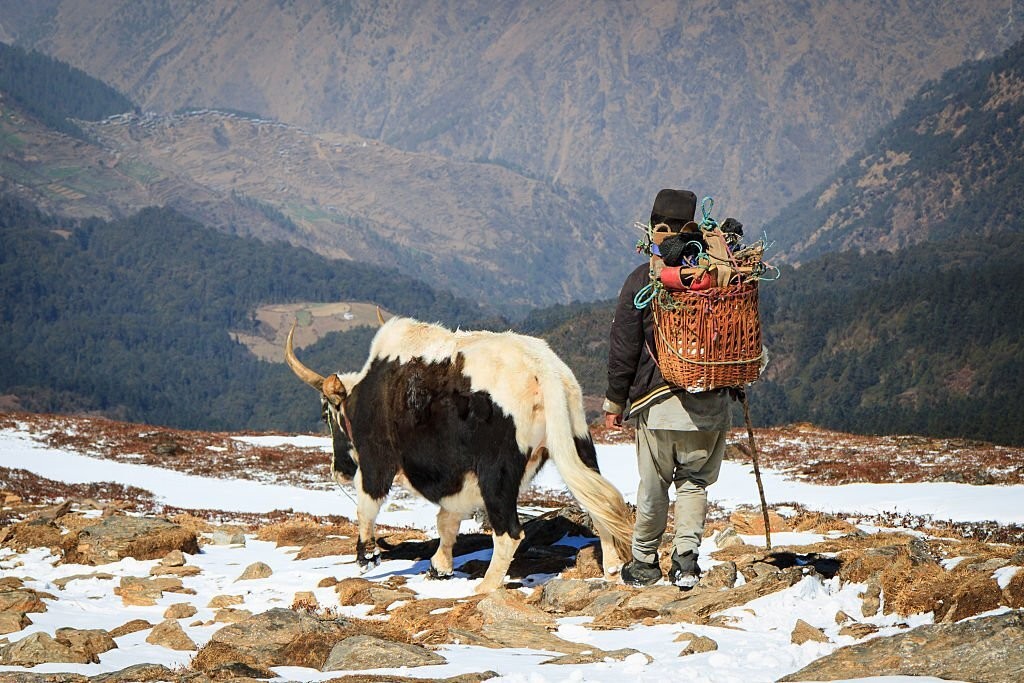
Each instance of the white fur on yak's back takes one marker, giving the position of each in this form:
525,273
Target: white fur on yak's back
507,366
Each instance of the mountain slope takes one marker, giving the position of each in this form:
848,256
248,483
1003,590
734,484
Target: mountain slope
131,318
749,102
951,166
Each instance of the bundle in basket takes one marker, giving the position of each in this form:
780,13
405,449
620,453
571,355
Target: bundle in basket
709,338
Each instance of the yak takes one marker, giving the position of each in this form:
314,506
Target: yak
465,419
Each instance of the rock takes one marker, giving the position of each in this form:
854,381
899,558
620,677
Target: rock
728,538
367,652
588,565
752,523
256,570
118,537
10,583
595,655
180,572
871,599
722,575
983,650
504,606
180,610
277,637
219,601
169,634
175,558
63,581
139,673
12,622
858,630
227,537
230,615
648,602
237,671
698,645
130,627
135,590
89,642
21,600
569,595
698,605
40,648
804,633
842,617
327,582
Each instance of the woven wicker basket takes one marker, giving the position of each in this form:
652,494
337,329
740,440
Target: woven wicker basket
711,338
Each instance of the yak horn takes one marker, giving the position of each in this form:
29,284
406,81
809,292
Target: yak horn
301,371
380,316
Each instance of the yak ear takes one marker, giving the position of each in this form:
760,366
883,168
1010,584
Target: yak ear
333,390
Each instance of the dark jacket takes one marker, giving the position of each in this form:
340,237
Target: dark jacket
633,371
634,379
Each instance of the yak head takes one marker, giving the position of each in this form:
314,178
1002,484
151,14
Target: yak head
333,392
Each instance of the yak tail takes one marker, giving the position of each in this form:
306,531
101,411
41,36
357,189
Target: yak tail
569,442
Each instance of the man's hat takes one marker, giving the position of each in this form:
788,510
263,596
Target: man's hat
674,207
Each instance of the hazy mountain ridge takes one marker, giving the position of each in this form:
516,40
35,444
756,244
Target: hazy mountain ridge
949,167
623,98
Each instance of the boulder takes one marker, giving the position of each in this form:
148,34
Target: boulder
21,600
180,610
722,575
805,633
569,595
277,637
142,591
90,643
139,673
231,615
256,570
175,558
132,626
40,648
983,650
169,634
218,601
698,605
12,622
752,523
142,538
510,606
697,645
357,653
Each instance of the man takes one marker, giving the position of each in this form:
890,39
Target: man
680,437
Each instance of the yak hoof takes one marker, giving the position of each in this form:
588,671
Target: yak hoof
368,562
436,573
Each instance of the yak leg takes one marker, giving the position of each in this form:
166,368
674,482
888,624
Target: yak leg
367,508
441,564
610,559
504,548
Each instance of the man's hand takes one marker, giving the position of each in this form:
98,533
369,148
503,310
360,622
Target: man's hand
613,420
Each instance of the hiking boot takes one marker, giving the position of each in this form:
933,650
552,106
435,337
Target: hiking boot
684,572
640,574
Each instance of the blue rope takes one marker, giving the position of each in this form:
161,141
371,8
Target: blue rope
707,223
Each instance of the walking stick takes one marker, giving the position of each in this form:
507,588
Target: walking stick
757,472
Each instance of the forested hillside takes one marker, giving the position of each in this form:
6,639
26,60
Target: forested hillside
951,166
921,341
55,92
130,318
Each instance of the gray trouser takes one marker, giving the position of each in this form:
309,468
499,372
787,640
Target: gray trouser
692,461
